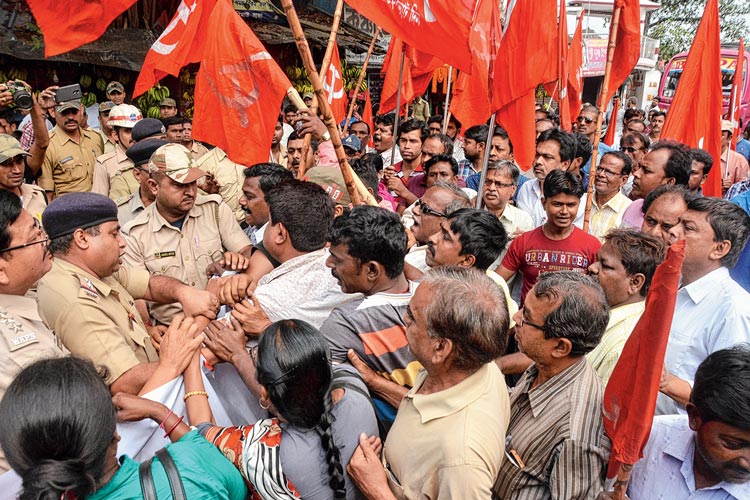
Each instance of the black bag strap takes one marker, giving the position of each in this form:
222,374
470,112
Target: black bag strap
148,488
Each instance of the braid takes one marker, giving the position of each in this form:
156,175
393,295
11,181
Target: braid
333,457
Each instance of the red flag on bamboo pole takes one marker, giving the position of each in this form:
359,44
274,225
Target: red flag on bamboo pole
418,69
630,396
522,63
367,116
180,43
734,100
438,27
239,89
575,70
627,46
694,117
333,83
472,94
609,137
68,25
558,89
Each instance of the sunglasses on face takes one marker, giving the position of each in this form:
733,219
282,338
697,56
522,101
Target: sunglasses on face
581,119
425,210
628,149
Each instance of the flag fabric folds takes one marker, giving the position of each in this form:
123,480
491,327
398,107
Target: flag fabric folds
333,83
609,137
694,116
239,89
558,89
180,43
575,70
418,69
630,396
736,95
436,27
68,25
367,116
627,48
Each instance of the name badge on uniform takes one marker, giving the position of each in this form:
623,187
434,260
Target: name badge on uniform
66,159
161,255
14,333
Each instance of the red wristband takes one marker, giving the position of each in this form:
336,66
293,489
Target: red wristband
169,412
174,426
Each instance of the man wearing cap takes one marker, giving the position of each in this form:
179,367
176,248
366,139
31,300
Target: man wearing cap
122,119
140,153
352,147
68,165
116,93
11,176
87,298
182,233
734,166
167,108
104,129
121,188
308,98
196,148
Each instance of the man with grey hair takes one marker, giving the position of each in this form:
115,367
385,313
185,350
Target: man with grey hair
499,185
556,443
449,434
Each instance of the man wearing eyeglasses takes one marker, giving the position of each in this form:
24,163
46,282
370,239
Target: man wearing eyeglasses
68,165
587,126
609,203
499,186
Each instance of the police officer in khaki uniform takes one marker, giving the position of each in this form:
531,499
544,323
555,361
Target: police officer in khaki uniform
11,176
140,153
182,233
197,150
104,128
122,119
88,299
68,165
229,175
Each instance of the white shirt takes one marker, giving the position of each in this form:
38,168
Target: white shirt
417,257
386,155
710,314
530,201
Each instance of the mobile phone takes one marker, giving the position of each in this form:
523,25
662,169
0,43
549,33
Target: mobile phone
68,93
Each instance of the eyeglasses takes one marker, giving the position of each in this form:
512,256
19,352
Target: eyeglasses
525,322
490,183
584,119
425,210
628,149
40,232
608,173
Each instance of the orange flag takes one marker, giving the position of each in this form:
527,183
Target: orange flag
418,69
367,115
180,43
472,94
694,117
437,27
575,70
609,137
70,24
630,396
239,89
558,89
522,63
734,102
333,83
627,46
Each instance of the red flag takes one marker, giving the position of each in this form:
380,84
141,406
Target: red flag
333,83
367,115
627,46
180,43
437,27
68,25
558,89
630,396
609,137
239,89
523,63
694,117
575,70
734,102
418,69
472,94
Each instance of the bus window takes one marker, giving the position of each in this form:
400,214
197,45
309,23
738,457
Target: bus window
673,78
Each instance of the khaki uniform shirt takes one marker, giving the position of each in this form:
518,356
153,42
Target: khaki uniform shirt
197,150
184,254
123,185
230,177
23,340
107,167
109,145
129,208
68,166
33,200
282,158
96,318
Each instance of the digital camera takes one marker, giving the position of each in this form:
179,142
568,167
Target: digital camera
21,97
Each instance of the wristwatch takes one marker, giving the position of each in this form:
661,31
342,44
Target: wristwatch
327,136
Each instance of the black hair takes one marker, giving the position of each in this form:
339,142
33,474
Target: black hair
679,163
413,124
445,140
639,253
562,182
290,108
294,367
682,191
501,132
728,222
627,163
10,210
477,133
58,423
185,120
435,119
362,122
366,168
631,137
61,244
481,234
563,138
721,386
654,114
438,158
590,108
305,210
583,148
702,156
270,175
387,120
456,121
294,136
171,120
630,113
372,234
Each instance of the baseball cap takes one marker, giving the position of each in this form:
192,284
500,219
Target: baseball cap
307,95
115,87
106,106
176,161
352,142
330,179
168,102
726,126
10,148
63,106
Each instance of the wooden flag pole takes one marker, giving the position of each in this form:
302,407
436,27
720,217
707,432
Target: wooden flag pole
446,112
485,161
603,92
323,69
398,106
328,119
361,78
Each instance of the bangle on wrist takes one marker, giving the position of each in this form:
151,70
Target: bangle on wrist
179,421
169,412
194,393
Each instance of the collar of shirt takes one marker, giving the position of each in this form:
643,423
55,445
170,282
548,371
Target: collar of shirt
707,285
451,400
541,395
121,156
84,276
618,202
20,305
162,222
136,203
62,137
623,313
307,259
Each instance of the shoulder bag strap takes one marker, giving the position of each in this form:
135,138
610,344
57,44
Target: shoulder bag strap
175,483
147,480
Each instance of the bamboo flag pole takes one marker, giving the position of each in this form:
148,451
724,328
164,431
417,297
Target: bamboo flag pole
359,81
398,106
446,111
307,59
603,92
323,70
485,161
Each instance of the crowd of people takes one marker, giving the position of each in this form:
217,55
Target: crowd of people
420,348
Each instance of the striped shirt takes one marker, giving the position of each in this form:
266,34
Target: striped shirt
609,215
557,430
